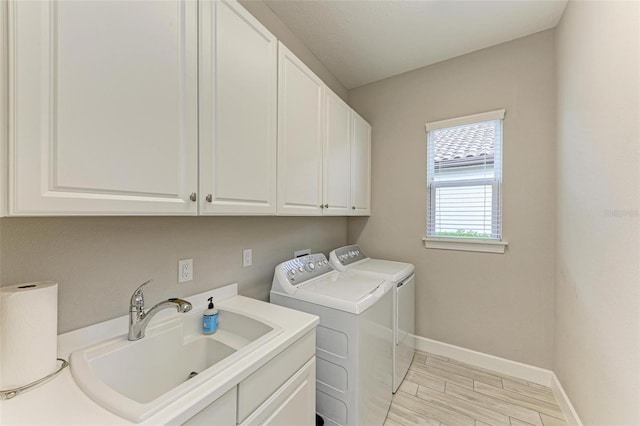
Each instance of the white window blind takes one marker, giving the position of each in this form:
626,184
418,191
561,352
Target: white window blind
464,176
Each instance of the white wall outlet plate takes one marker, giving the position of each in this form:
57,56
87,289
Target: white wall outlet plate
247,258
185,270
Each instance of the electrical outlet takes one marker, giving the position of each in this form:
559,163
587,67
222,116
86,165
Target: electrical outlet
247,258
300,253
185,270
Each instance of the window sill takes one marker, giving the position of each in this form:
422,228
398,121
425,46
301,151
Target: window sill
466,244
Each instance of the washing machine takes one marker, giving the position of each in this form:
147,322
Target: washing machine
352,258
353,339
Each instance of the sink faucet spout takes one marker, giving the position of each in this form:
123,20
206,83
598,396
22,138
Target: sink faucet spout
139,319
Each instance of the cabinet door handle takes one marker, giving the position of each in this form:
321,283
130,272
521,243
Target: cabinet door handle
209,198
193,196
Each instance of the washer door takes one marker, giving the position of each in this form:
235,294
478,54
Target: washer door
347,291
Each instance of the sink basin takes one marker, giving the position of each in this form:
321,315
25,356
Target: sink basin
136,379
170,364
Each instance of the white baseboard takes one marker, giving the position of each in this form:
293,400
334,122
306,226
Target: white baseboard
522,371
564,402
490,362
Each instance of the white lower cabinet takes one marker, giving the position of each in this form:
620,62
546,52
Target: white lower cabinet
258,394
220,412
293,404
281,392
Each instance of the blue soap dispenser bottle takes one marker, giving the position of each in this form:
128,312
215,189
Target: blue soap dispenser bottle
210,319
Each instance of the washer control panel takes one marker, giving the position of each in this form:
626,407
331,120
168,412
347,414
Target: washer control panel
304,268
349,254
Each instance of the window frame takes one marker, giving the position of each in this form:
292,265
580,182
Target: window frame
496,243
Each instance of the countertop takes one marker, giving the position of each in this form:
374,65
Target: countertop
61,402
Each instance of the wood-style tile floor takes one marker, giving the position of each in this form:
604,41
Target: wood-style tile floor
439,391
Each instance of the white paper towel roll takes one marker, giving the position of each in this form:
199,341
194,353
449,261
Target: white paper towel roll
28,332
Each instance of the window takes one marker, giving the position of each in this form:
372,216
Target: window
464,176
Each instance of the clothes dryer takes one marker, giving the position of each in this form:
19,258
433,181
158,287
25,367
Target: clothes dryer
352,258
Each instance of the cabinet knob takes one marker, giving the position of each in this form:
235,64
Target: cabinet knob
353,207
209,198
193,196
326,206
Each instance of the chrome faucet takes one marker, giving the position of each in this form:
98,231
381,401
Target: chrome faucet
139,319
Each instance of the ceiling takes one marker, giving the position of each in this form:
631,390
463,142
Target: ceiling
362,41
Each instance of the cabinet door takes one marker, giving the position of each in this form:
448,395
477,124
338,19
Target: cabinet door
103,106
360,167
220,412
293,404
300,129
3,115
238,107
337,156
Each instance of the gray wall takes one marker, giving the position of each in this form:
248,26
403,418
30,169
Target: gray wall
597,296
497,304
98,262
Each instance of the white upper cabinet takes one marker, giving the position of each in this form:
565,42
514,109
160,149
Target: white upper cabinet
173,107
337,156
300,137
324,147
238,111
103,107
3,117
360,167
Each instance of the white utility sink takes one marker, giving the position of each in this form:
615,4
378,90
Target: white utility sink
136,379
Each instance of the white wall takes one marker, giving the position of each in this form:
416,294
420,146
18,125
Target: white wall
597,294
497,304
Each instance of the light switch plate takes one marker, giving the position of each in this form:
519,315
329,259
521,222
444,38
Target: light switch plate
247,258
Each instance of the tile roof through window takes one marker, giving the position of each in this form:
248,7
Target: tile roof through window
464,142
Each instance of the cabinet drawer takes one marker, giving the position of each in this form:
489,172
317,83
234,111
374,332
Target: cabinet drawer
293,404
258,387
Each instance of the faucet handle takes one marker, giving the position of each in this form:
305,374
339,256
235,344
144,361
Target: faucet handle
137,298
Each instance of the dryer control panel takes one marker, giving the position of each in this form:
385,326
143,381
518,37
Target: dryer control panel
304,268
349,254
